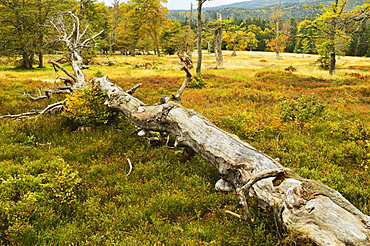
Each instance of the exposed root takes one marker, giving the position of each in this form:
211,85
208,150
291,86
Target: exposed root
50,109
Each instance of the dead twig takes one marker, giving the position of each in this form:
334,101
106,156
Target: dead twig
20,116
187,64
52,108
187,80
129,162
40,97
234,214
241,192
48,93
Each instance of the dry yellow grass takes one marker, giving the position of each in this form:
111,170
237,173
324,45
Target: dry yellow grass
304,63
244,65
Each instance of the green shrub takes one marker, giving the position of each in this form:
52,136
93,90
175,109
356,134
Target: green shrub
87,107
98,74
324,62
197,82
34,197
301,110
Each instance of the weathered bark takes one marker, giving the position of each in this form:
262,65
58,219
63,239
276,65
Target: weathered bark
74,42
218,50
218,43
199,36
332,58
324,218
27,60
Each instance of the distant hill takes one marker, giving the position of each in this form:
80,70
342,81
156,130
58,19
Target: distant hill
257,9
252,4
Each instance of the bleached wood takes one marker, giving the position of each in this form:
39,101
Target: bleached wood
320,218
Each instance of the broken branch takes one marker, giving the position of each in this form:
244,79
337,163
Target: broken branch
188,78
53,108
72,76
133,89
129,162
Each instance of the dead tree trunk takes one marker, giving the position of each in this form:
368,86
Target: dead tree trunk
303,205
218,48
72,37
199,36
218,43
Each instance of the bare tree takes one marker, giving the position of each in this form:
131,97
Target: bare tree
71,34
199,36
188,50
218,41
276,18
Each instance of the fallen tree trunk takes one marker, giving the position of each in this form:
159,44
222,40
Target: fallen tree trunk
303,205
300,204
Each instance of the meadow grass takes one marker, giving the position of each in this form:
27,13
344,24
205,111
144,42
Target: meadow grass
61,185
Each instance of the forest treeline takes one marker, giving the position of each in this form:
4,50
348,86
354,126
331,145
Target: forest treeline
146,27
259,9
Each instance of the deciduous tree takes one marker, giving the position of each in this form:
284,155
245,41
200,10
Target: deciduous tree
143,20
278,42
178,38
23,27
114,18
236,38
332,29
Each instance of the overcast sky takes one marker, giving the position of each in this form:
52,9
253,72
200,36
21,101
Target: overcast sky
185,4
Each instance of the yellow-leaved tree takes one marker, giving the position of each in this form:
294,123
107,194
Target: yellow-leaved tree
142,23
332,28
280,32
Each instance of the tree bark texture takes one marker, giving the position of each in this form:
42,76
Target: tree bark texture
199,37
218,47
332,59
27,60
218,43
320,216
277,39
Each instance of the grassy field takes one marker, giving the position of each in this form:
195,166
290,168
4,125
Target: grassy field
61,185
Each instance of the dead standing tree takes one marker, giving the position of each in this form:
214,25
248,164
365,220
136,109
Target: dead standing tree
218,41
300,204
68,28
73,39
